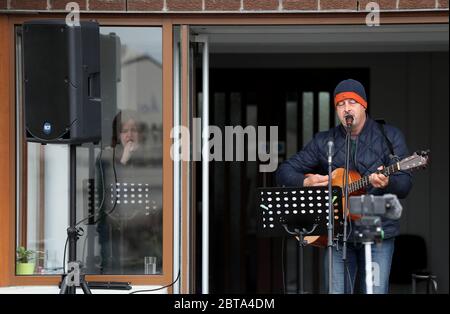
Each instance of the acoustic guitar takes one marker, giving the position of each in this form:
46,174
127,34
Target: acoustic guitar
357,185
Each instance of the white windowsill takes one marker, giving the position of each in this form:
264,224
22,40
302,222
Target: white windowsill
55,290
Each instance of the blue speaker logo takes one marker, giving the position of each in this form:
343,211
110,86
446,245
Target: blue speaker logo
47,128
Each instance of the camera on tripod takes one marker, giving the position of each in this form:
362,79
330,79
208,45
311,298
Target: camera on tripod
371,208
368,228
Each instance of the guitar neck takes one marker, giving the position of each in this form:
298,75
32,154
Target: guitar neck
364,181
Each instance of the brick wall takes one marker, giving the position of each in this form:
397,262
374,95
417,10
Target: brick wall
223,5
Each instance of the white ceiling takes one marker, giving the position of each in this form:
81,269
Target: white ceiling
325,39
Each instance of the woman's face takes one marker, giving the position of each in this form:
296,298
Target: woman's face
129,133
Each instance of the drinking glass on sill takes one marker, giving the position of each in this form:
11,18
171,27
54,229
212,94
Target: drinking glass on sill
149,265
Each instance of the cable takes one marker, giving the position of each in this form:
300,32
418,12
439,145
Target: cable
103,194
83,250
156,289
103,187
64,256
101,214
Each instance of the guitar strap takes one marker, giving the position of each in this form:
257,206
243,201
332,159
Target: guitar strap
381,123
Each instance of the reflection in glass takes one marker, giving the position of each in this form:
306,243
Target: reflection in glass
128,173
119,180
130,223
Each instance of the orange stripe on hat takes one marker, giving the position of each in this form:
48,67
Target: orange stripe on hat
346,95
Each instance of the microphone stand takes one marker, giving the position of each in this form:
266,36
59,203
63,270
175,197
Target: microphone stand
346,211
330,218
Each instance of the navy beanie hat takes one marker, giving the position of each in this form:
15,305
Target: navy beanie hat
350,89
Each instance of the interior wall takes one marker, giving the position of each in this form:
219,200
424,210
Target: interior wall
410,91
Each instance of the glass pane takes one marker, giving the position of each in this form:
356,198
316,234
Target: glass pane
46,207
308,116
324,111
291,128
130,225
119,180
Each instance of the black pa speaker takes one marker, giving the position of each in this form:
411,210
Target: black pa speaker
61,70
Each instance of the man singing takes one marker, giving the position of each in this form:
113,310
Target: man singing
369,152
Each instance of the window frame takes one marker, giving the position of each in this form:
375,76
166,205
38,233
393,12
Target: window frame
166,276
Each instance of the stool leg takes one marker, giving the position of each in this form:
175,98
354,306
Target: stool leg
434,282
413,284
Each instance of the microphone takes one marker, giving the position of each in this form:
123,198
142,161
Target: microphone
349,120
330,150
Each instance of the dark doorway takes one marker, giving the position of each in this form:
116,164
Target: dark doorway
299,102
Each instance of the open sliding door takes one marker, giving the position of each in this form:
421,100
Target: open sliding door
191,114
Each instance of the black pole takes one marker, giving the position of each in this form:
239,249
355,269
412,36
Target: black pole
330,226
90,258
71,231
302,282
72,234
347,162
300,258
301,244
73,202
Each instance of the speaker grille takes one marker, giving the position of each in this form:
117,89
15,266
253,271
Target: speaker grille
46,84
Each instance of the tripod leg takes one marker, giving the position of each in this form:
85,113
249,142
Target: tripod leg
63,286
300,257
85,286
67,288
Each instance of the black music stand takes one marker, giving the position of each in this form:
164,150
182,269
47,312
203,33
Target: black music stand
300,212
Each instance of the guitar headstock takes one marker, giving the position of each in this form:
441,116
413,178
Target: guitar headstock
418,160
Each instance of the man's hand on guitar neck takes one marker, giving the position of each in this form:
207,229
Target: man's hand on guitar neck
315,180
379,180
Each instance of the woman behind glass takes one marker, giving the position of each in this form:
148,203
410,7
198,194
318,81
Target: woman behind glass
130,220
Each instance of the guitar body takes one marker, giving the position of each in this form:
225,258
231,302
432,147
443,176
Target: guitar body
418,160
338,179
